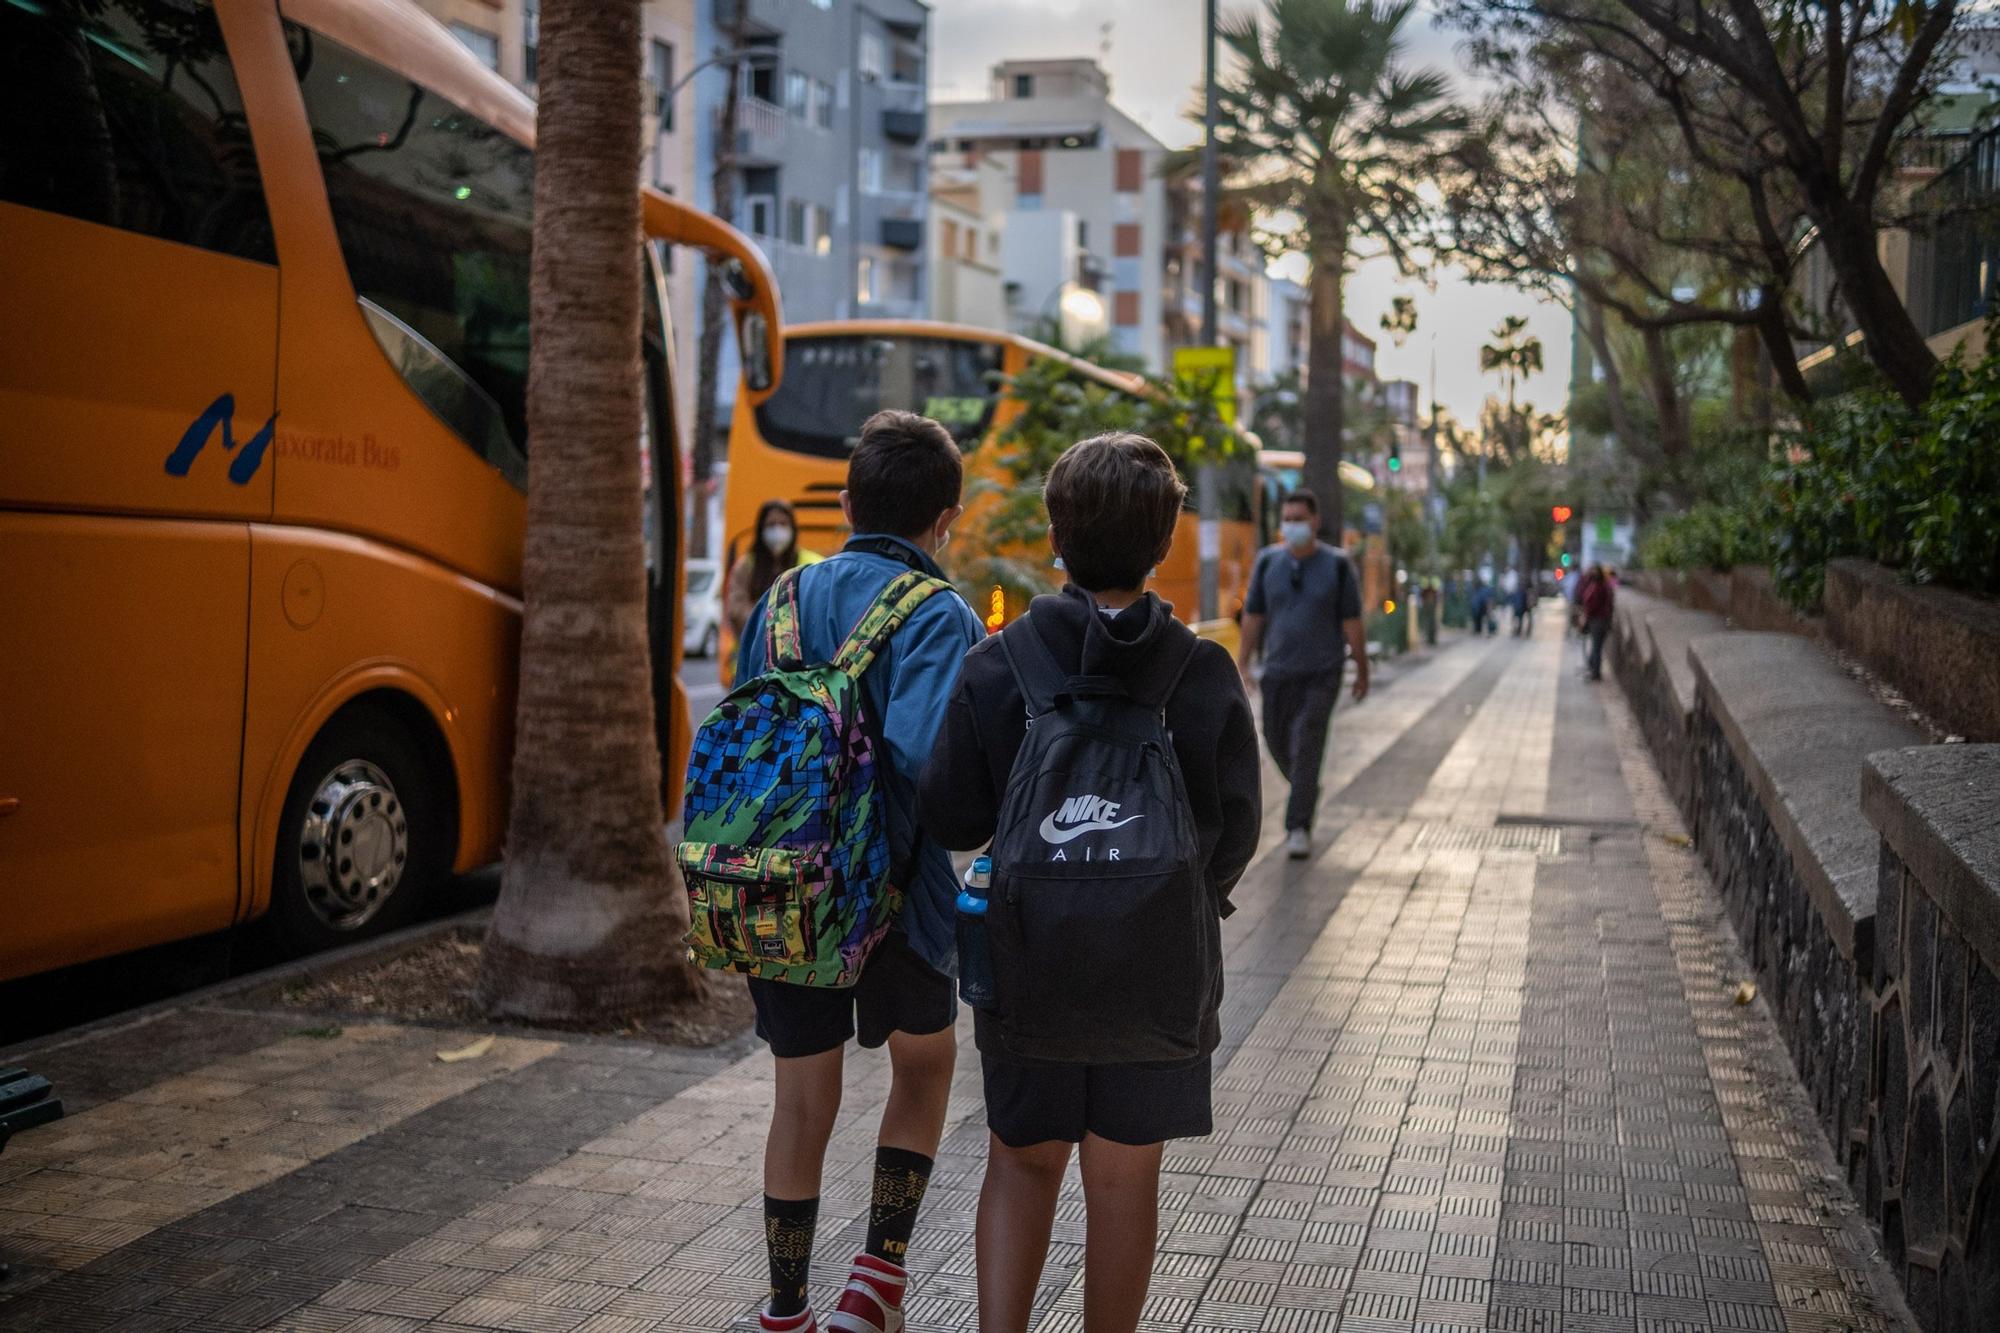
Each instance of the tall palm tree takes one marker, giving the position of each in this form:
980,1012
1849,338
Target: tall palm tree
1514,353
589,924
1327,136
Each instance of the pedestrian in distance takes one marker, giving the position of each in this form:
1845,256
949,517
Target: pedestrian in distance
1111,758
829,966
1594,603
774,549
1303,614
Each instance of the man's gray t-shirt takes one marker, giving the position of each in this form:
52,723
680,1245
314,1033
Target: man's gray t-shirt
1303,603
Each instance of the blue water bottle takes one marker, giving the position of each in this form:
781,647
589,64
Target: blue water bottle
975,963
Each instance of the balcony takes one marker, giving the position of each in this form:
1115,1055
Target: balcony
900,126
760,132
903,233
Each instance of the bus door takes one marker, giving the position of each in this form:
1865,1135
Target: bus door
136,418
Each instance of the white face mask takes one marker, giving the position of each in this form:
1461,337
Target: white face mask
777,537
1296,534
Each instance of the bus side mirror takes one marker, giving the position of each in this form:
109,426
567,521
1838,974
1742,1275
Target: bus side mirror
753,339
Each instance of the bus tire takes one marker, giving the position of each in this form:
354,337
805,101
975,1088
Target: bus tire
363,840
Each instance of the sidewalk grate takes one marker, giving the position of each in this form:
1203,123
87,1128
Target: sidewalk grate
1442,837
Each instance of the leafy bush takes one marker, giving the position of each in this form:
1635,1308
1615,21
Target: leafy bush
1918,491
1708,536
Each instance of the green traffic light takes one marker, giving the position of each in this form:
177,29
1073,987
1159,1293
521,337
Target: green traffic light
1395,463
1566,559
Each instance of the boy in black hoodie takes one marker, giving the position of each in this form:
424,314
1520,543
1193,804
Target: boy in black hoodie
1113,501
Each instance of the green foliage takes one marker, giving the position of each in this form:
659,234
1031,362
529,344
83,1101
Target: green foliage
1708,536
1915,490
1006,538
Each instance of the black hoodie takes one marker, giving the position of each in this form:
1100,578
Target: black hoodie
1215,738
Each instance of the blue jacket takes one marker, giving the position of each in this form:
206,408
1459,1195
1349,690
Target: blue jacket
906,692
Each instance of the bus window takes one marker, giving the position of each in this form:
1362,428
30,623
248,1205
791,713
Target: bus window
433,210
833,384
129,116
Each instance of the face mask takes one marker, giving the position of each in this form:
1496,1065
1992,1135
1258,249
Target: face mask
777,538
1296,534
943,542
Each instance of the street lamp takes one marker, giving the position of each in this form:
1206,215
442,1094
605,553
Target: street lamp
740,55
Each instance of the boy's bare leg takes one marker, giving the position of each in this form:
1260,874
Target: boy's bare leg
1121,1195
1017,1210
919,1090
802,1116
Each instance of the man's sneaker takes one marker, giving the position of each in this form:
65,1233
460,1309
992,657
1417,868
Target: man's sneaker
1298,844
873,1301
802,1322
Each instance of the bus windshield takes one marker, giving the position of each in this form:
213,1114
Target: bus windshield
833,383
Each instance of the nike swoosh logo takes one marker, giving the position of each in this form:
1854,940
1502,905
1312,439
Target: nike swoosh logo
1059,836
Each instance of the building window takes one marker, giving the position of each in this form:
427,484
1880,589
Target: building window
822,230
662,60
864,280
113,120
948,238
1082,234
531,36
822,4
871,171
972,243
822,104
485,45
1024,86
874,62
760,215
795,222
760,75
797,93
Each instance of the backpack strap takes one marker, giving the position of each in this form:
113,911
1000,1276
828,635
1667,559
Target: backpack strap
1037,674
781,623
894,605
1158,698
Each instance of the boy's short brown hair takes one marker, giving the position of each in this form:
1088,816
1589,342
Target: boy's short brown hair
1113,501
904,473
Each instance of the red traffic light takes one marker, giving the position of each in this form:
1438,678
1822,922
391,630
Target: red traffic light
1561,513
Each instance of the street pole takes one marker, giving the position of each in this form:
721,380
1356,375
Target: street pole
1208,498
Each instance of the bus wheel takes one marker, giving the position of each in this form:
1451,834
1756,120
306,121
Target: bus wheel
362,839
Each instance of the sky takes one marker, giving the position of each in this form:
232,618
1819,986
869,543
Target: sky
1155,62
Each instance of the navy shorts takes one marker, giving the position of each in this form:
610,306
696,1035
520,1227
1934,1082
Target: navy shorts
898,992
1135,1105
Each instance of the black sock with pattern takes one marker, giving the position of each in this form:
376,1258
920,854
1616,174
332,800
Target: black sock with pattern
788,1240
901,1176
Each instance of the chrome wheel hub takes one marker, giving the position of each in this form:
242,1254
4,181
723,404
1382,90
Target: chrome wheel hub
353,845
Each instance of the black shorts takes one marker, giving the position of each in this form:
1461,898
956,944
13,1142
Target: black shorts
1131,1104
898,992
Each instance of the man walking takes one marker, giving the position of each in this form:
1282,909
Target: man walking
1304,613
1594,601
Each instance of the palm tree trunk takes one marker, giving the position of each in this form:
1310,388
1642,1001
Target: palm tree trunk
590,919
1326,374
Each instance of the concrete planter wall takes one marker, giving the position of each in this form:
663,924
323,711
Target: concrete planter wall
1940,648
1933,1117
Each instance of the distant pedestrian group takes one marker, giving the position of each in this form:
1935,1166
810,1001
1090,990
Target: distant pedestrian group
1105,759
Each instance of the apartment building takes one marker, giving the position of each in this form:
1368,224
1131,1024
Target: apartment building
1243,293
1070,152
827,151
505,35
969,197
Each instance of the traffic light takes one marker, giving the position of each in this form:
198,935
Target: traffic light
1395,456
1561,513
1566,560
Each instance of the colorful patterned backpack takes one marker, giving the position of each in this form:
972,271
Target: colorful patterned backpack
786,855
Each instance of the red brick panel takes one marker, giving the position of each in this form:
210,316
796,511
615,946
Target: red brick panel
1030,172
1131,170
1125,240
1125,309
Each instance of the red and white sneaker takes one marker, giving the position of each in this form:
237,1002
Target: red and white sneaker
802,1322
873,1301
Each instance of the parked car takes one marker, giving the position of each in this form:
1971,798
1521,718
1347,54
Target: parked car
702,609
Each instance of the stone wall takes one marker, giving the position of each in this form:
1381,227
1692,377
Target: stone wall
1940,648
1933,1116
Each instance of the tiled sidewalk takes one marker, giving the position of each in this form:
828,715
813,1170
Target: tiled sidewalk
1481,1069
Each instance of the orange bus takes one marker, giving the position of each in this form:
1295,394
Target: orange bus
793,445
263,360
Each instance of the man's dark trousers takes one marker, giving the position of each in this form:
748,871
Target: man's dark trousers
1296,712
1597,629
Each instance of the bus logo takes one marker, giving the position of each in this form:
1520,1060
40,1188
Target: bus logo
244,466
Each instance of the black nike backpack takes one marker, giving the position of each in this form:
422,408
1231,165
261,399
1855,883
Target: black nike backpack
1105,937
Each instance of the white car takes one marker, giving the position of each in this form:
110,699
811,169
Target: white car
701,609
